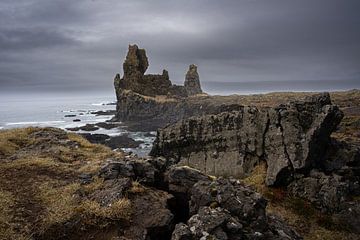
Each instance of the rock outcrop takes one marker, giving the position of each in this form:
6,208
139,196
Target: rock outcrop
290,138
200,205
135,66
134,79
144,96
192,81
149,113
223,209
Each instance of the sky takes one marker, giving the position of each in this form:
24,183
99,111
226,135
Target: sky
67,45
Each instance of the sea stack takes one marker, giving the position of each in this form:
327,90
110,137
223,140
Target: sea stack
192,81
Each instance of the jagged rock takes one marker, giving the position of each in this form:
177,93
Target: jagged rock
182,179
182,232
136,61
134,79
325,191
291,138
298,136
116,169
281,229
239,200
209,222
192,81
225,209
149,172
342,158
151,217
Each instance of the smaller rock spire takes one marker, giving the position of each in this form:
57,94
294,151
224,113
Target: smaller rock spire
192,81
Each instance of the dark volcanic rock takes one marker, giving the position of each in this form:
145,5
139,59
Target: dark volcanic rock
122,141
70,115
192,81
291,138
148,114
182,232
95,138
182,179
225,209
152,100
114,142
135,66
104,113
87,127
108,125
325,191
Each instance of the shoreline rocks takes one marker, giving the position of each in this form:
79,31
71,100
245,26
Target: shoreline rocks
113,142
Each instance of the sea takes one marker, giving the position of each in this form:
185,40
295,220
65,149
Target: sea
39,109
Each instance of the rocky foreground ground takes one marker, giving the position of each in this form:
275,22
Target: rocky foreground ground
57,185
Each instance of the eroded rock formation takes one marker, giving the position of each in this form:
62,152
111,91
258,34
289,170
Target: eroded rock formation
290,138
152,96
134,79
135,66
192,81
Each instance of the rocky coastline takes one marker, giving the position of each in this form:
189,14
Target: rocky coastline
273,166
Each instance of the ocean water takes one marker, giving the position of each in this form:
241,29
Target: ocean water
49,109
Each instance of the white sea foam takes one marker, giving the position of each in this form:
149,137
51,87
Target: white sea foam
33,123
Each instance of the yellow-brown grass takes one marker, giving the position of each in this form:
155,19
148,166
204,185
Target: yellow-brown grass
39,187
12,140
136,187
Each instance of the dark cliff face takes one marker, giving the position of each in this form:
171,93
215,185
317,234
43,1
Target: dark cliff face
151,113
290,138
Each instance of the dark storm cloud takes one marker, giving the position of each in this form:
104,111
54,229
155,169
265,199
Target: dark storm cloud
65,44
30,38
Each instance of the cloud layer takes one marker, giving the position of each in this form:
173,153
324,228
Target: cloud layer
66,44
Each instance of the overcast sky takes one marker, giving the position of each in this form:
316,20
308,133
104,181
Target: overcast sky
81,44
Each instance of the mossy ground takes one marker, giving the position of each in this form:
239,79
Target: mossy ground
39,183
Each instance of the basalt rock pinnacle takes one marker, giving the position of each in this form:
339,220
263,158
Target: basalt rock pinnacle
192,81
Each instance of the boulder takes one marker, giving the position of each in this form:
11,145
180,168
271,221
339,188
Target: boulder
181,179
182,232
